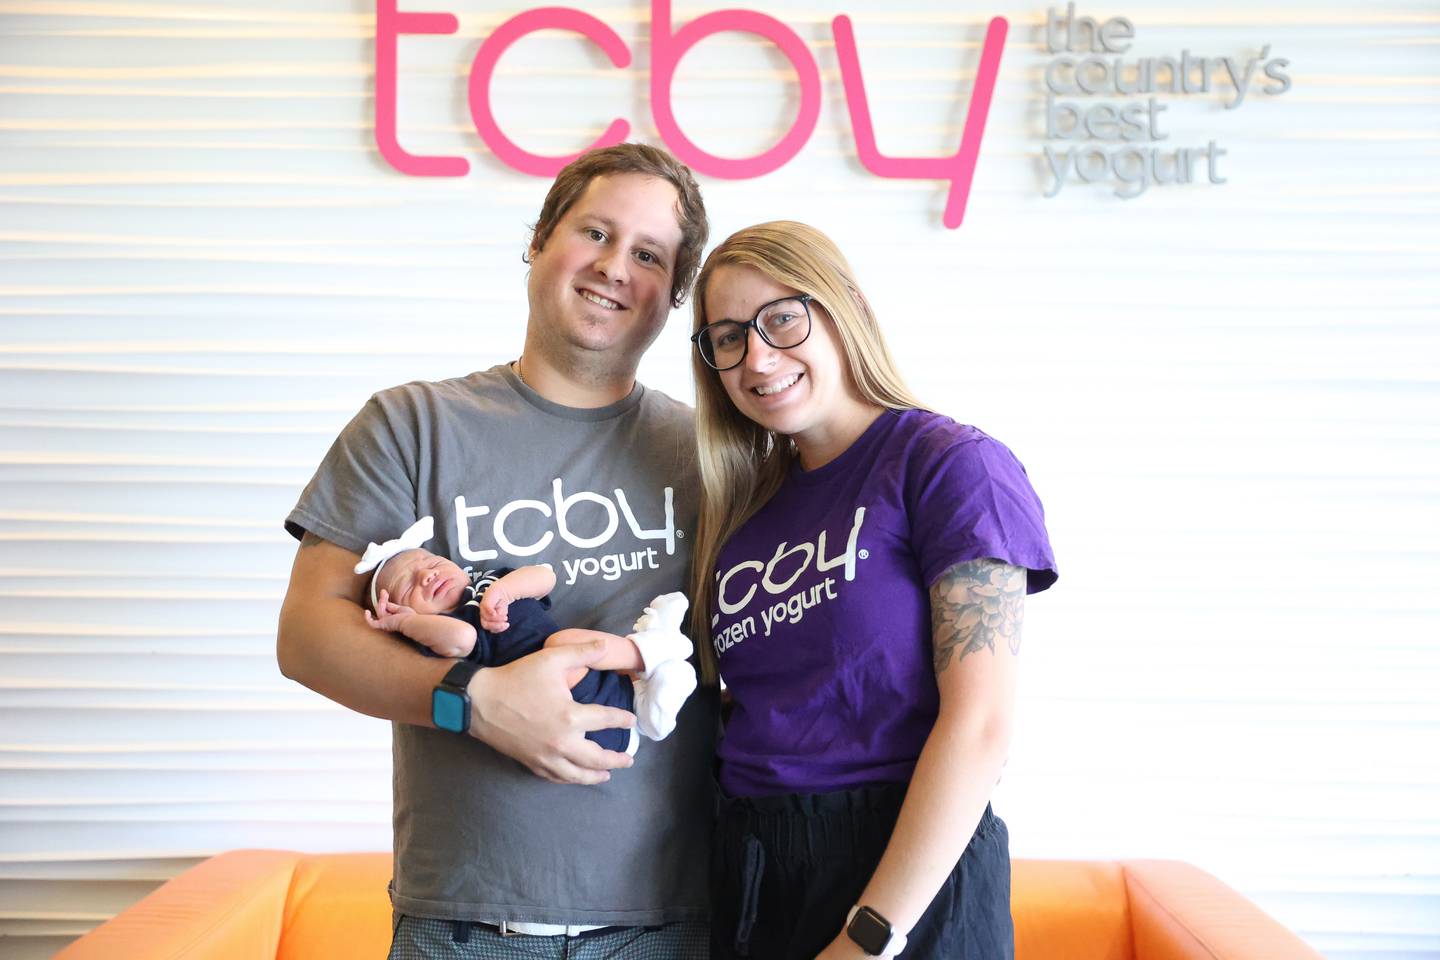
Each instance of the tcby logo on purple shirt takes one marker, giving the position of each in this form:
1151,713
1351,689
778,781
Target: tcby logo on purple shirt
737,587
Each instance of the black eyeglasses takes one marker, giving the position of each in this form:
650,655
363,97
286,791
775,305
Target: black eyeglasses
782,323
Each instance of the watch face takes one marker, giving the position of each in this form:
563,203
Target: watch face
448,710
869,931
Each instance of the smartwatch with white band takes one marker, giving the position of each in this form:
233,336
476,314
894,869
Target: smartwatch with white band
873,932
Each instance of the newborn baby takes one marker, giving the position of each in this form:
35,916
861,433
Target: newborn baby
504,616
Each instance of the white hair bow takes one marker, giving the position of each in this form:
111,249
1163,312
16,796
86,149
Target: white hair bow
376,554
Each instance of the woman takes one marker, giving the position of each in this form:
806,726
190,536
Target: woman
862,564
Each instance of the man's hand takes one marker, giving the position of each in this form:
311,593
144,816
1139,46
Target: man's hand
391,616
524,710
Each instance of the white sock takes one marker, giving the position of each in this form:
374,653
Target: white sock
665,612
660,646
657,633
659,698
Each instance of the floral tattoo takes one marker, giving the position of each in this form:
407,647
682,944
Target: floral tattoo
972,605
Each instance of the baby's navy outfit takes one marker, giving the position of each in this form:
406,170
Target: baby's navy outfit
530,625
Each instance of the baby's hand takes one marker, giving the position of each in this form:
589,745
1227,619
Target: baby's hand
391,616
495,609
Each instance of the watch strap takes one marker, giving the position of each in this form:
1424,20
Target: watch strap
458,676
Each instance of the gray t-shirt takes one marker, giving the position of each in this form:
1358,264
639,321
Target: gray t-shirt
608,498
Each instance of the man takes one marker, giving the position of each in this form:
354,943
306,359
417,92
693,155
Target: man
559,458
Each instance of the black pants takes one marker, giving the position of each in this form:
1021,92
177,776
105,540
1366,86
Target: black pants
788,869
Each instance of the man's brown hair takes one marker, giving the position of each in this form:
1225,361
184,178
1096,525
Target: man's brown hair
648,161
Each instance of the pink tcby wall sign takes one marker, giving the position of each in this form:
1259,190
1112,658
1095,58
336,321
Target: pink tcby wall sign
668,45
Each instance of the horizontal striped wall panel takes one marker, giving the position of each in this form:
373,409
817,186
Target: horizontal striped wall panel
1225,394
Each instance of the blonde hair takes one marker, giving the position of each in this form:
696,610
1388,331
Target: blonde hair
741,463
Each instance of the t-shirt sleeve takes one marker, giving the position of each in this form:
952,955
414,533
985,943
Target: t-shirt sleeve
364,489
971,498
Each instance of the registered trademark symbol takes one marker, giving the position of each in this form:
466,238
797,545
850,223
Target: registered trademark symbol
864,554
680,534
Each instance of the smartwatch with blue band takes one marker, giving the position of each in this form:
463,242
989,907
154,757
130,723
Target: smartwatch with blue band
450,700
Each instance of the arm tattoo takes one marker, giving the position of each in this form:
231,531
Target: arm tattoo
973,604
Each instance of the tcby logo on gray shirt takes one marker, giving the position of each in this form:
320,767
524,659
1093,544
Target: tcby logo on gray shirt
474,535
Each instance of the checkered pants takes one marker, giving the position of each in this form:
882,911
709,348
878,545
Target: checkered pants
419,938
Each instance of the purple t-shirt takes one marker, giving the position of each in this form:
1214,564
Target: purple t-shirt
823,623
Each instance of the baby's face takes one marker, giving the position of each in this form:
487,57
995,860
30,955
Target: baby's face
425,583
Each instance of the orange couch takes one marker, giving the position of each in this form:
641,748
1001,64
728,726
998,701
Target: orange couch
259,904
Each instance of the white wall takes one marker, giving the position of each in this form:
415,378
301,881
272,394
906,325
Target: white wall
1226,396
